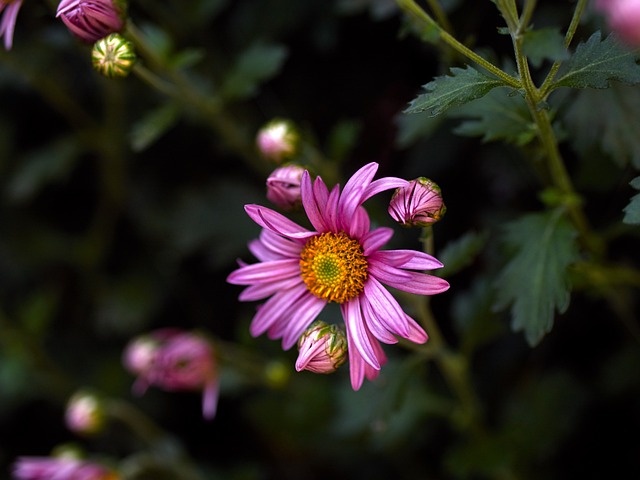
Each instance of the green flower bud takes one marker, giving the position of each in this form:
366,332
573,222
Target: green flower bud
113,56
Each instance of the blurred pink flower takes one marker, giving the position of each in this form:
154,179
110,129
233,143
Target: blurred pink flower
174,360
278,140
85,413
418,204
90,20
283,187
9,10
623,17
340,260
60,468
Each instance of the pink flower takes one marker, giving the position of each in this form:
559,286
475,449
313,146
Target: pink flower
174,360
90,20
323,348
60,468
278,140
9,10
283,187
420,203
339,260
85,413
623,17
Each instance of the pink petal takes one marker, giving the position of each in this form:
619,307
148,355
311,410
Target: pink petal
357,331
276,222
407,281
375,239
273,309
410,259
386,308
354,189
264,272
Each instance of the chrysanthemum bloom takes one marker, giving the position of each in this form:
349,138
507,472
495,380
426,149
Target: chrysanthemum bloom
90,20
175,360
9,10
60,468
340,261
418,204
278,140
113,56
623,17
283,187
85,413
322,347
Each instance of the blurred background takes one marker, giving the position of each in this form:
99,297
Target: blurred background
122,212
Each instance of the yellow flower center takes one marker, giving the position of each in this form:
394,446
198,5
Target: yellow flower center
333,267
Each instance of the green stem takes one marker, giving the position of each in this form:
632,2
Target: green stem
414,11
440,15
454,366
573,26
555,163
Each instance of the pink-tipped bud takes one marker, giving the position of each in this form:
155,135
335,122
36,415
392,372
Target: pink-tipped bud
283,187
85,413
322,347
418,204
278,140
91,20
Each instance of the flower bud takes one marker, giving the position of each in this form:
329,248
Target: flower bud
283,187
113,56
623,17
418,204
91,20
173,359
278,140
85,413
322,347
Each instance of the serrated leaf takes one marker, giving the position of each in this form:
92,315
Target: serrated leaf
255,65
462,86
544,44
596,63
632,211
499,116
535,281
606,120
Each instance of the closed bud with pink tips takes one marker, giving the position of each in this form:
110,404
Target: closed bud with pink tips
417,204
91,20
322,347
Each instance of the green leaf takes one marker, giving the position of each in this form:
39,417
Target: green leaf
596,63
255,65
606,120
153,125
47,165
462,86
461,252
632,211
544,44
499,117
535,282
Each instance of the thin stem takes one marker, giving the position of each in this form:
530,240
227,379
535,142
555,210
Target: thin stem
417,13
440,15
573,27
